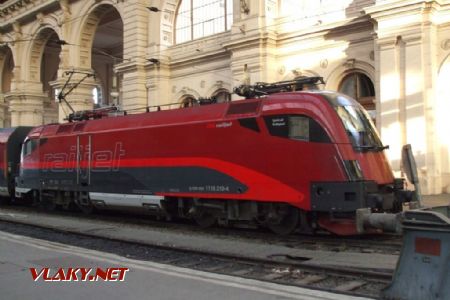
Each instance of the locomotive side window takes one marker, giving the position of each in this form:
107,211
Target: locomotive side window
299,128
296,127
249,123
29,146
317,134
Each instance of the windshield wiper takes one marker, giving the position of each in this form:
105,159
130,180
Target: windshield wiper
372,147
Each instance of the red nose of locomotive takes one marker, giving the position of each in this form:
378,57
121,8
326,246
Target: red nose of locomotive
370,183
374,166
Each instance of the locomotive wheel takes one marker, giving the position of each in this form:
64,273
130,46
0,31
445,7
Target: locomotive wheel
86,208
84,204
287,220
43,202
205,219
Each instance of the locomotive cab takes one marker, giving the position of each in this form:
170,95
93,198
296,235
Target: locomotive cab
370,184
366,183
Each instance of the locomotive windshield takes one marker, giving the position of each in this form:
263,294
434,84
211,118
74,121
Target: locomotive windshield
359,128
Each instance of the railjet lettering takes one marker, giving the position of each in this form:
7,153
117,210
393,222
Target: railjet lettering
101,160
79,274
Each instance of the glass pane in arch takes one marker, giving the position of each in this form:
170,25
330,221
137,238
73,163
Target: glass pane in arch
200,18
184,22
222,96
229,4
359,86
209,17
365,85
188,101
348,86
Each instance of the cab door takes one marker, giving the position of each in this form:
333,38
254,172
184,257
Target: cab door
84,158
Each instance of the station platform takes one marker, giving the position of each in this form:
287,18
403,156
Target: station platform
203,241
144,280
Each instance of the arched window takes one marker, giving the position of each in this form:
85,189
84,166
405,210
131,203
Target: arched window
222,96
97,97
358,86
188,101
7,72
199,18
50,62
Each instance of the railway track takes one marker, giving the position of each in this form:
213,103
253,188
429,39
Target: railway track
348,280
381,244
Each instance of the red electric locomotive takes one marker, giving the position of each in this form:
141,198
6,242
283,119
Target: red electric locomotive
304,159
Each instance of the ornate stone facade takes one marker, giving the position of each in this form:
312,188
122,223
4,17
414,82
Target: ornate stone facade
401,47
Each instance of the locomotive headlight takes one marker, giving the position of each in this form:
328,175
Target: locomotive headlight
353,170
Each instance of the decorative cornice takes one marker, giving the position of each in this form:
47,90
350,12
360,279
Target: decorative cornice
10,7
129,66
265,39
19,10
389,9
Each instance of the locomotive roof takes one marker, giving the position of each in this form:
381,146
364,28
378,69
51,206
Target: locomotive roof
204,113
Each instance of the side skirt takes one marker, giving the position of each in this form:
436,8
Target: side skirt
135,201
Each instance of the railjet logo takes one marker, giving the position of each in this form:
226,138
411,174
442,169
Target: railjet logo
79,274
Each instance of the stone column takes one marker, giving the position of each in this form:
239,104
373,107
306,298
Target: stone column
159,41
430,70
26,108
407,71
134,91
253,42
25,97
391,108
158,82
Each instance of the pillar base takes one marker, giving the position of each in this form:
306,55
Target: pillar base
26,109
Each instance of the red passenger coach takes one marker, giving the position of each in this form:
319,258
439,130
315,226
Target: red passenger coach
288,160
10,144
